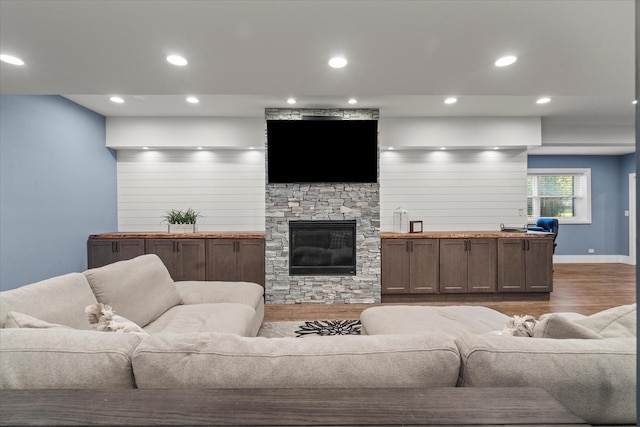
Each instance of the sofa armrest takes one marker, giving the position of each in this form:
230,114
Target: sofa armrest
594,378
199,292
66,359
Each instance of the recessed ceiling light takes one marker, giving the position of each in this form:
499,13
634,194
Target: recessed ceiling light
13,60
337,62
116,99
192,100
506,60
634,102
352,101
451,100
177,60
543,100
291,101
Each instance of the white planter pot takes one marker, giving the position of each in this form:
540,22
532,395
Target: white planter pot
182,228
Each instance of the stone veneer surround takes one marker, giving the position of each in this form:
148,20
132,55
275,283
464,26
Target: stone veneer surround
348,201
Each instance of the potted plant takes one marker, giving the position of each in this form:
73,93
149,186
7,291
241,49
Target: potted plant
181,221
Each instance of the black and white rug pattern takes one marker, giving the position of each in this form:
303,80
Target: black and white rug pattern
329,327
311,328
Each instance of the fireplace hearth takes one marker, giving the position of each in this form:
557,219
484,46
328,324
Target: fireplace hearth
322,248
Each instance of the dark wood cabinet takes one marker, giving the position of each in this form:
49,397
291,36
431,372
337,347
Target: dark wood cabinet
184,258
525,265
409,266
236,260
468,265
101,252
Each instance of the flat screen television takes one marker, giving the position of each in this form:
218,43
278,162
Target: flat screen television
322,151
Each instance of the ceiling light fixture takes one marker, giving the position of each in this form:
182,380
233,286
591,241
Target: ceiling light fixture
291,101
634,102
337,62
496,148
145,148
199,148
390,148
192,100
177,60
506,60
10,59
451,100
544,100
352,101
116,99
443,148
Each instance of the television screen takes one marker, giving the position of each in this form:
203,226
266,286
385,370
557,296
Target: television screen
331,151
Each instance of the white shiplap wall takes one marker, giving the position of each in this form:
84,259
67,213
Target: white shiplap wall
454,189
226,186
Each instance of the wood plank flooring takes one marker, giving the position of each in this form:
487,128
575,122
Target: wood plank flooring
581,288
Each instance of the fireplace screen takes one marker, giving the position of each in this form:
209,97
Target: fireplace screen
322,248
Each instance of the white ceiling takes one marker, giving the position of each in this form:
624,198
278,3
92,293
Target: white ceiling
404,56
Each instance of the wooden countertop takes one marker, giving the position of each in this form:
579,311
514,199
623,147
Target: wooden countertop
464,235
201,235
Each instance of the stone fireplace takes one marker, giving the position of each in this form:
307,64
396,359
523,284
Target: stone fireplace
306,203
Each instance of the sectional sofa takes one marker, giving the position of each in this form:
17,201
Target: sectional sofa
203,335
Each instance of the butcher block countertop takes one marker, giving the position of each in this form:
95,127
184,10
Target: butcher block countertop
202,235
465,235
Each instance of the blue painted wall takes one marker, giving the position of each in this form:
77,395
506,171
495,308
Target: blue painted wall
58,185
608,232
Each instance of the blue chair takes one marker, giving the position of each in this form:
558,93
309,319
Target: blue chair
548,225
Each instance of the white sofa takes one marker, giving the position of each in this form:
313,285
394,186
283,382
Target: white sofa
588,363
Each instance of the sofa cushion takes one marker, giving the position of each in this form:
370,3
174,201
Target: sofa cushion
139,289
450,320
221,317
229,361
595,379
20,320
65,359
60,299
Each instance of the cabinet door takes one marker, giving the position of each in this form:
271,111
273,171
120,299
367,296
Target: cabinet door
511,265
424,263
395,266
539,265
453,265
102,252
221,260
191,259
251,260
184,258
482,265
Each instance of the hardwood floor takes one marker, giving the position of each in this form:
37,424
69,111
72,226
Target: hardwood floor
581,288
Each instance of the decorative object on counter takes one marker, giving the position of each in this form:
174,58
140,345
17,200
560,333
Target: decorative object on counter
513,228
181,221
400,220
415,226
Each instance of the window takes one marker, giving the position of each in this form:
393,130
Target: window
560,193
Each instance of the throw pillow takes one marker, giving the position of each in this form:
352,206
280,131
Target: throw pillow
560,327
103,319
616,322
21,320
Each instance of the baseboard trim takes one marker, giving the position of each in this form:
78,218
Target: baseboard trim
591,259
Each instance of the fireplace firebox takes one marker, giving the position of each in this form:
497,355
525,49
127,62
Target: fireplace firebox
322,248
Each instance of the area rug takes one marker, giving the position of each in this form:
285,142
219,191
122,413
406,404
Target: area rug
311,328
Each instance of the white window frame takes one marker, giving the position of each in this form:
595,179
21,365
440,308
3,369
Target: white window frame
584,172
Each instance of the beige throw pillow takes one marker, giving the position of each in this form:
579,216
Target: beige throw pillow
560,327
20,320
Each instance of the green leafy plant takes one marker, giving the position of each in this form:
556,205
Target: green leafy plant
175,216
